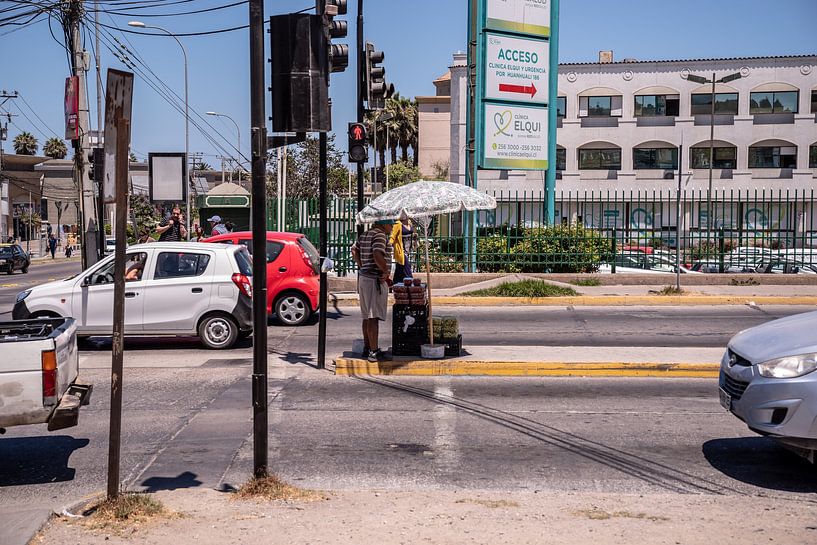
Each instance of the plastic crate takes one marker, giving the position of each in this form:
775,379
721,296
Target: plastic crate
417,329
453,347
403,345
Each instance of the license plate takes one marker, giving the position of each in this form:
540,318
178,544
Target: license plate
726,399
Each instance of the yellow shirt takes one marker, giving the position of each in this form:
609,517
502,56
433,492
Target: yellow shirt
396,240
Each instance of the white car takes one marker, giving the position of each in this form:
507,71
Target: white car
172,288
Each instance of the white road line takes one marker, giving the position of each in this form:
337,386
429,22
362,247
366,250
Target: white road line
446,444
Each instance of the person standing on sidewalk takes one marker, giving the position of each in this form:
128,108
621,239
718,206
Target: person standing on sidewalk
372,254
172,229
401,240
52,245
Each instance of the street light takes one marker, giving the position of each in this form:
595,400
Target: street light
238,132
140,24
703,81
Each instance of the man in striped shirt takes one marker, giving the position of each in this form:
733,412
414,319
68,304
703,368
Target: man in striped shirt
372,253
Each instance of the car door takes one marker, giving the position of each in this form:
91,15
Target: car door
178,290
18,257
92,302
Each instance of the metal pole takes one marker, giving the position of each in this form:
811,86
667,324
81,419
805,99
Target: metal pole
259,236
678,217
361,55
387,150
324,289
711,157
553,83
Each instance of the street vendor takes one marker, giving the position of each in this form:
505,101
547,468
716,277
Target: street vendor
372,253
402,241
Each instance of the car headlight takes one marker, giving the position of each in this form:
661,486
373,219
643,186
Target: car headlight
22,295
788,367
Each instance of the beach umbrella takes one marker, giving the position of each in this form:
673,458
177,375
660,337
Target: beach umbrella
420,201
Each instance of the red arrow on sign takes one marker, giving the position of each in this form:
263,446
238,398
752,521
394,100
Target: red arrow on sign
508,88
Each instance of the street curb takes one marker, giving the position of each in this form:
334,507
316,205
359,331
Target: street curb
407,367
611,300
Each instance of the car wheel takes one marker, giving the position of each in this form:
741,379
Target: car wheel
218,332
292,309
25,269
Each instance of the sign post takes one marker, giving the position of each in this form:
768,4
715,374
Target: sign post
516,83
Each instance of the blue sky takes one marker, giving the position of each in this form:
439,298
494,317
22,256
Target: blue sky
418,37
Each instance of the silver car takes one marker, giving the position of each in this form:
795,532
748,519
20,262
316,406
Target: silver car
768,380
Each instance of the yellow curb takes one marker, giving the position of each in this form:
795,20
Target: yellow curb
356,366
614,300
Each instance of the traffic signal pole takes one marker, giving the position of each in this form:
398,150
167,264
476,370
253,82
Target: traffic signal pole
361,66
259,239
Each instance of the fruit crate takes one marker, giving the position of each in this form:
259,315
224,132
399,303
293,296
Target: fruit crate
399,328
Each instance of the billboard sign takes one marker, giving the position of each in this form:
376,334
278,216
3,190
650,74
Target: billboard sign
519,16
516,69
516,137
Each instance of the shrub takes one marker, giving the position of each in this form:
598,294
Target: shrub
492,253
559,248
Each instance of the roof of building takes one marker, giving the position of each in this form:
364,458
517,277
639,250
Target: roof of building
444,77
714,59
228,188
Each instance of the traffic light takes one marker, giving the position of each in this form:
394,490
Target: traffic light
358,146
96,165
377,90
338,53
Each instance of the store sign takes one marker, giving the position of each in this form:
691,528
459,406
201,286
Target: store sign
516,69
515,137
521,16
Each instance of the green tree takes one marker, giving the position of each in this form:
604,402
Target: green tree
402,173
55,148
400,130
144,213
303,169
25,144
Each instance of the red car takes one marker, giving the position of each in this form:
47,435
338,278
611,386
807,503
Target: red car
293,280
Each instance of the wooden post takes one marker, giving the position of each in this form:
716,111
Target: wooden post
426,225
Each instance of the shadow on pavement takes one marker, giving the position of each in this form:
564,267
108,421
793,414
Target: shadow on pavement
761,462
183,480
103,344
37,460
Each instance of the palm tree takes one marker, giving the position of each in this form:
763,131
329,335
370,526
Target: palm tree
55,148
406,124
25,144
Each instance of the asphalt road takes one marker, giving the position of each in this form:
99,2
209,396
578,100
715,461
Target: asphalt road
38,273
190,426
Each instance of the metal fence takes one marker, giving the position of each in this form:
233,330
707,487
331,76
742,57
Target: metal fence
747,231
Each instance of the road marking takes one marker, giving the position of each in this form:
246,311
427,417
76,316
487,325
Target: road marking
446,445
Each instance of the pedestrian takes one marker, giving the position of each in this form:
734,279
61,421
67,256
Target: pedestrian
229,226
402,241
216,226
172,229
68,250
144,237
372,253
52,245
197,231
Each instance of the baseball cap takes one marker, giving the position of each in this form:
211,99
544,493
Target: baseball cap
215,219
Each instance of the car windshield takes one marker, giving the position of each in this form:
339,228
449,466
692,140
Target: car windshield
5,252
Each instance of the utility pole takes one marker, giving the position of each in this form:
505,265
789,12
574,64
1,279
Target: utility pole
72,17
361,67
4,133
258,137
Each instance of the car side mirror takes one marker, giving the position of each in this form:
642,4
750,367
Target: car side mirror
86,281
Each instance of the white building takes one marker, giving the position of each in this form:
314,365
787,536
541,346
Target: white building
621,124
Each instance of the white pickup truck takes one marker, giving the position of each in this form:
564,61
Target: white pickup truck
39,365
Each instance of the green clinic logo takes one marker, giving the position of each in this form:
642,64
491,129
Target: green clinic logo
502,120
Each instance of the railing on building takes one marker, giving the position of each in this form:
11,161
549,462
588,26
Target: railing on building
601,230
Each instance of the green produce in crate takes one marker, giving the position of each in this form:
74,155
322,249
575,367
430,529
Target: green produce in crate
446,327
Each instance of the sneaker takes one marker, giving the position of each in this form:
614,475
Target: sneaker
378,355
365,354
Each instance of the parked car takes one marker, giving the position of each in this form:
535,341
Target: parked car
780,266
293,273
637,261
39,369
767,379
13,257
172,288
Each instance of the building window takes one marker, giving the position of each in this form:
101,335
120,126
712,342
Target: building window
561,159
599,106
812,157
655,158
721,157
561,106
436,110
783,102
773,157
725,104
656,106
814,102
600,159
